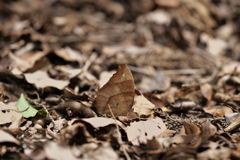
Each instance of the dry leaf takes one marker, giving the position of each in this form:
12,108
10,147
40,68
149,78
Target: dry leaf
206,90
70,94
7,138
215,46
231,117
235,154
54,150
222,153
191,129
73,108
97,151
142,106
219,111
207,130
235,124
117,93
140,132
70,134
69,54
42,80
98,122
191,136
9,114
68,71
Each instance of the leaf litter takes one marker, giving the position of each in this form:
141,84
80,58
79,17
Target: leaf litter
174,93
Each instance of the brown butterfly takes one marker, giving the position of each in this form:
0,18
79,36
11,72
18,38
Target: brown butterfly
117,93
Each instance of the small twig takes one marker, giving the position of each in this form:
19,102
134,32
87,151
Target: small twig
139,70
119,135
168,72
16,110
45,108
184,71
89,62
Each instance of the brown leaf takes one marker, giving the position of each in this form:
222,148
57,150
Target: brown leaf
70,135
235,154
224,153
73,108
207,130
118,93
207,91
191,129
69,94
235,124
219,111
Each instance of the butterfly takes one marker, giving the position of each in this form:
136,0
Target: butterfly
118,93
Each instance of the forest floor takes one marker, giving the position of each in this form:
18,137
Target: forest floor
133,79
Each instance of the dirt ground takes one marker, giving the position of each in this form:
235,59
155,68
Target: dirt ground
120,79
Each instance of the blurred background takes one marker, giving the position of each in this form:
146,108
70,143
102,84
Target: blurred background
154,37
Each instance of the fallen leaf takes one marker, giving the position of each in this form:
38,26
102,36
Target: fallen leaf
191,129
207,130
235,154
224,153
117,93
70,135
8,138
219,111
215,46
54,150
207,91
231,117
9,114
67,71
98,151
25,108
189,136
98,122
69,54
140,132
142,106
235,124
70,94
42,80
73,108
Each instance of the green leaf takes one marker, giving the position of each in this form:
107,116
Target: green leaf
42,112
25,108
